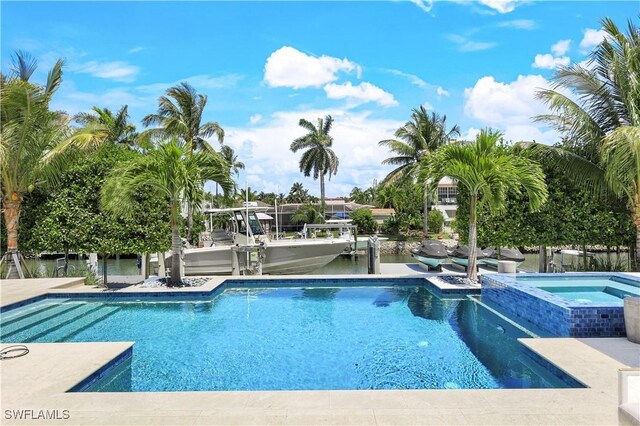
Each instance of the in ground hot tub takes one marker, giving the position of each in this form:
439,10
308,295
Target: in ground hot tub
576,305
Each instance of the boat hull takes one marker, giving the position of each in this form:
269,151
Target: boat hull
281,257
465,261
301,257
429,261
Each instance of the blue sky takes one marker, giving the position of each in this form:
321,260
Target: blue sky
265,65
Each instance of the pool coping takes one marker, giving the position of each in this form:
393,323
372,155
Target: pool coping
216,284
596,404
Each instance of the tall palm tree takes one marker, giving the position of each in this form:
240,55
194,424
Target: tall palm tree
171,171
318,158
102,126
180,115
489,173
230,157
29,131
416,139
602,116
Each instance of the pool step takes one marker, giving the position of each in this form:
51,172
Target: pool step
41,316
64,331
26,331
29,310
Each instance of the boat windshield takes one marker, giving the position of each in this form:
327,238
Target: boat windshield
254,223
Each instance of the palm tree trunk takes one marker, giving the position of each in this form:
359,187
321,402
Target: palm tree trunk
176,247
104,269
322,206
636,257
472,274
12,207
189,221
425,213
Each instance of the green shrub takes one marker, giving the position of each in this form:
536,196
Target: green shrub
363,219
436,221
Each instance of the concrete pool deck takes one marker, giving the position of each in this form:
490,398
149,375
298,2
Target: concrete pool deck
39,381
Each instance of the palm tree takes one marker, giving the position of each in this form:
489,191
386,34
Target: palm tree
180,115
232,159
389,196
416,139
298,193
307,214
604,119
489,173
29,130
102,126
171,171
246,195
318,157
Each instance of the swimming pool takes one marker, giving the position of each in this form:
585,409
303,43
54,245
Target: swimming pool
390,335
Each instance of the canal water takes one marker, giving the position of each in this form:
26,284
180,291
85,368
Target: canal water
342,265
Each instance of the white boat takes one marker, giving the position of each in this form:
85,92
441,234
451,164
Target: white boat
344,228
286,256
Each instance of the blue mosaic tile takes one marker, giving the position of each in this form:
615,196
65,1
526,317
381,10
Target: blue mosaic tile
103,371
554,314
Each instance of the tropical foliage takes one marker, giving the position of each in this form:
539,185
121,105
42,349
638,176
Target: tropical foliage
170,171
489,172
436,221
417,139
29,131
602,117
180,116
69,217
363,219
307,213
318,157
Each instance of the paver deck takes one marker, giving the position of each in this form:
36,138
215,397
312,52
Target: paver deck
39,380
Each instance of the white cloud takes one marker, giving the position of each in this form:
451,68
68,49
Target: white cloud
360,94
135,49
117,70
201,81
520,24
591,39
471,134
495,103
441,92
414,79
68,98
255,118
561,47
425,5
271,166
466,45
547,61
510,107
427,106
288,67
501,6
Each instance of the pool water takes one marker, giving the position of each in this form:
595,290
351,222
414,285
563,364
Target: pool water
584,289
400,337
